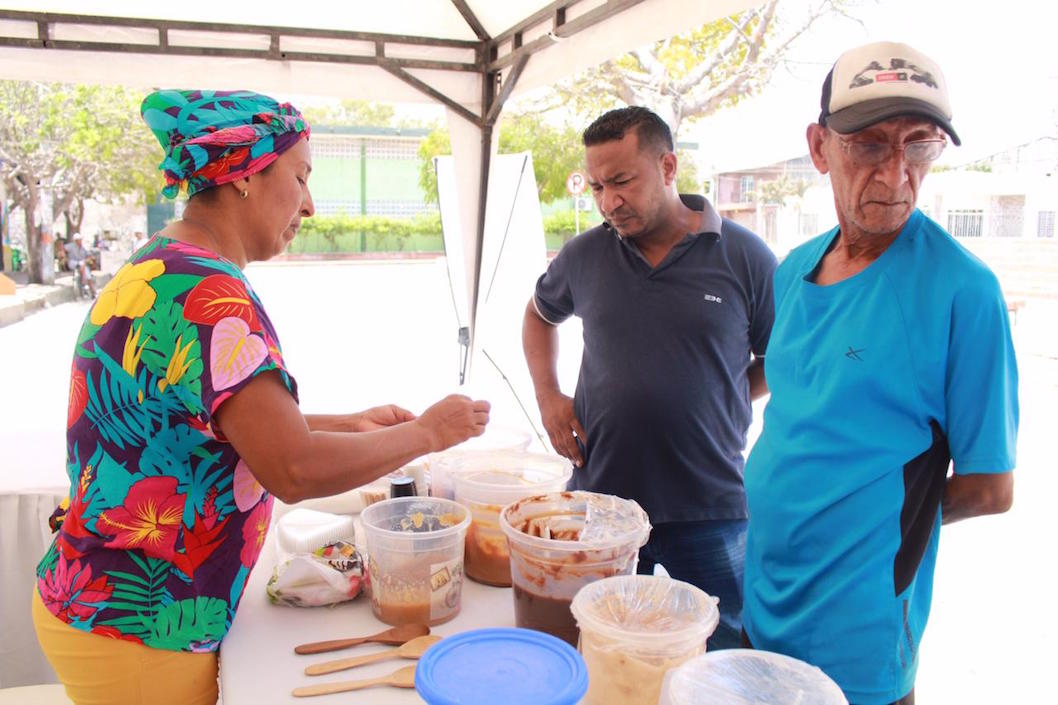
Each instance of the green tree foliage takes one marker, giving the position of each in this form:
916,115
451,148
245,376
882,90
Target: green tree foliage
556,152
388,233
693,75
777,191
61,145
687,178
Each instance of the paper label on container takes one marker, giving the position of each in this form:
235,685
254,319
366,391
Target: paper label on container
446,585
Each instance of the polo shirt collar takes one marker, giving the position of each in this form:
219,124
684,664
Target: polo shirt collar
711,221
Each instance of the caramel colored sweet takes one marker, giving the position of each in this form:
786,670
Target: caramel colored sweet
488,557
622,673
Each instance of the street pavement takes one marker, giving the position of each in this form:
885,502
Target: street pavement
359,334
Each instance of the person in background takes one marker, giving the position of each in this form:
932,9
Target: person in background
139,239
676,304
183,419
77,262
891,356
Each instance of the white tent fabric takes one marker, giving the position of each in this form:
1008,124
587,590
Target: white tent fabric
470,55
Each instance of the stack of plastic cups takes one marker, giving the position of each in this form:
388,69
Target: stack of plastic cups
636,628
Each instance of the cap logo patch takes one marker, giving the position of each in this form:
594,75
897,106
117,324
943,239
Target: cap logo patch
898,70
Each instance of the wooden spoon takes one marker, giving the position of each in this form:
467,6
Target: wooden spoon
394,636
413,649
401,678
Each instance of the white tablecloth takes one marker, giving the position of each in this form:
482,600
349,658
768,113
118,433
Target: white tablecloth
258,663
24,535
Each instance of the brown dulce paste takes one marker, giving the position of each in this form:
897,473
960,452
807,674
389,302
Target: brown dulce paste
404,612
488,559
545,614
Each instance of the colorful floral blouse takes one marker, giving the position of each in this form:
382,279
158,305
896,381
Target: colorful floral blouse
164,521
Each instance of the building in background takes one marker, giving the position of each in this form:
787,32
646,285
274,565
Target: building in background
774,201
1002,208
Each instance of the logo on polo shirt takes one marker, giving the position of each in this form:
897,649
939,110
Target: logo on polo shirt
714,299
854,354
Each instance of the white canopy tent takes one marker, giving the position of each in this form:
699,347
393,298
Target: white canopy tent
469,55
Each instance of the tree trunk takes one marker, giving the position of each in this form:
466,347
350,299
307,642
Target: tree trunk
39,254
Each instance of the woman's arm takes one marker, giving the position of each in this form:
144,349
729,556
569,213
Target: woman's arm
296,460
368,420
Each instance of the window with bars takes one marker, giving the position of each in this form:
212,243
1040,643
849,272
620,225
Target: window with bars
966,223
745,189
809,224
1045,224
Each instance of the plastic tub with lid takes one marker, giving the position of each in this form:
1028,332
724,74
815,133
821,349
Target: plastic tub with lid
562,541
636,628
501,665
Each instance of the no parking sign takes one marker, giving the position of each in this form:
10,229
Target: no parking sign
576,183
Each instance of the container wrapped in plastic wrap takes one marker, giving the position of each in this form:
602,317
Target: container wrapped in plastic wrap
562,541
749,677
636,628
317,562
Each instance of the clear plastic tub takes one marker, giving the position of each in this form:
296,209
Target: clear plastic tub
484,483
495,438
748,677
562,541
636,628
415,558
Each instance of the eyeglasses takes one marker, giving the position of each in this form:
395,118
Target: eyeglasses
875,153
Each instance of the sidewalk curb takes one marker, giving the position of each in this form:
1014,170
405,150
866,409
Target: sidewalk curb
32,298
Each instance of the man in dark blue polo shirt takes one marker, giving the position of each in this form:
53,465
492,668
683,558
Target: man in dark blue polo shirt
676,305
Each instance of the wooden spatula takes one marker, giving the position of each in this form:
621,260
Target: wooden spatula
401,678
394,636
413,649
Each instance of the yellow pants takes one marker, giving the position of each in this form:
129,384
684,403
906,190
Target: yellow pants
99,670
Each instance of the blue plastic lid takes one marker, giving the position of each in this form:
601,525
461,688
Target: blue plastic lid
503,665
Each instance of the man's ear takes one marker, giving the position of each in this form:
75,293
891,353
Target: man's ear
669,164
817,135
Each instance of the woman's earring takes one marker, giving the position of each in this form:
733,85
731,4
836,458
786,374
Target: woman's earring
243,194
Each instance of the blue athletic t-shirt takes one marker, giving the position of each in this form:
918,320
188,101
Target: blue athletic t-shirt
877,382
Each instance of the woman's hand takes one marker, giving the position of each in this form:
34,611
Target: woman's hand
381,417
453,420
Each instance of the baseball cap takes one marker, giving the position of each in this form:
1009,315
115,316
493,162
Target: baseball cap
883,80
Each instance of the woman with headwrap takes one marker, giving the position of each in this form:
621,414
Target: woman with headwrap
183,420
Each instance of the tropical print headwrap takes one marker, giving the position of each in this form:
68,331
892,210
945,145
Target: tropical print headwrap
216,137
